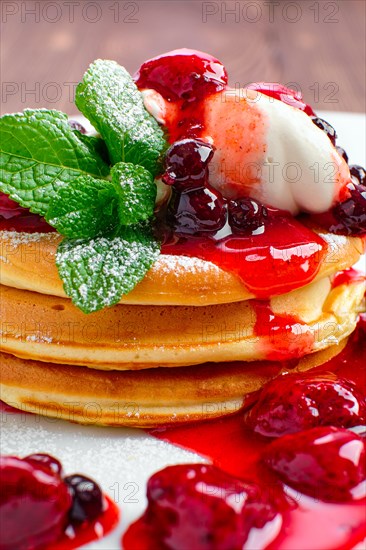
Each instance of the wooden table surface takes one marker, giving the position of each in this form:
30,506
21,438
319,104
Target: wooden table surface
318,46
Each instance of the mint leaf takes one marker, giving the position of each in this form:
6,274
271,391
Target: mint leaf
97,272
137,192
109,98
85,207
39,152
95,144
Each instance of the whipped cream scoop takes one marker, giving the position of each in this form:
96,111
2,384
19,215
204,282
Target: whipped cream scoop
265,149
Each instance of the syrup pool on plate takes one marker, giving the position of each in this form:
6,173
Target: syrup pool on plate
232,445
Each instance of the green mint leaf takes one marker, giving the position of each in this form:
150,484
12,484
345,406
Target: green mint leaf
96,145
109,98
137,192
39,152
97,272
84,208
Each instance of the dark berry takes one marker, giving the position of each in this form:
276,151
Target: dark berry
196,211
325,462
246,215
199,506
296,402
182,74
359,173
46,460
34,505
350,215
280,92
186,162
342,153
87,498
75,125
326,127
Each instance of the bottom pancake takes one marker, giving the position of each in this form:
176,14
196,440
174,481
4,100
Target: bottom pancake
146,398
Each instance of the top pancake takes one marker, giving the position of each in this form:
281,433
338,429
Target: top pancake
27,261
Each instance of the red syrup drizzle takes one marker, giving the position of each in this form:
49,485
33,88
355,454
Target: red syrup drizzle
287,255
308,524
15,218
347,276
285,337
89,531
5,408
185,78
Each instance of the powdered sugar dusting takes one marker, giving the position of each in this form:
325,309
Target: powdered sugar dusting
170,264
39,338
14,238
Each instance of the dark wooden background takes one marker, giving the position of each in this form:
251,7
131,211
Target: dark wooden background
317,45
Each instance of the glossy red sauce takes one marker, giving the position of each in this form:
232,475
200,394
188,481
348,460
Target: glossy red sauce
89,531
5,408
285,336
287,255
309,524
347,276
184,78
15,218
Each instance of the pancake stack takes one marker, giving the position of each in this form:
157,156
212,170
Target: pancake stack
188,343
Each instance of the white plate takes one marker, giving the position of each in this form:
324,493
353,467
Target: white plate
121,459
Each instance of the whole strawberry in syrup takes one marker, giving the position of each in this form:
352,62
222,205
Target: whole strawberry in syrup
182,75
34,504
296,402
199,506
326,463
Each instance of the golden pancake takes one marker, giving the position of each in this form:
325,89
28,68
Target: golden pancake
130,337
27,261
146,398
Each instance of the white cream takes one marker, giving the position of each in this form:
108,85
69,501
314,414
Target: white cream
155,104
308,171
267,150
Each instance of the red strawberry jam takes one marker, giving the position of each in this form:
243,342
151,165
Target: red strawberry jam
280,92
40,509
15,218
308,523
45,460
182,75
288,253
296,402
198,506
324,462
34,504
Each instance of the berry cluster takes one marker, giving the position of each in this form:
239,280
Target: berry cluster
195,207
38,503
310,425
349,216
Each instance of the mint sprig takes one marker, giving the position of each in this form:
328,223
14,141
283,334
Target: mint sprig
110,99
136,192
97,272
40,152
84,208
87,207
97,192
